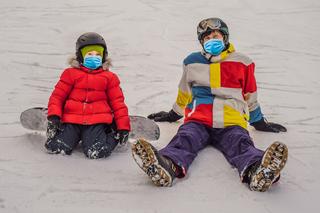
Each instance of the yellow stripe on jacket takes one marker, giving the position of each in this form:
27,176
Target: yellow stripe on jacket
215,75
183,99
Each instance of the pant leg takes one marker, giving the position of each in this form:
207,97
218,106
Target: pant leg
236,145
96,143
184,146
65,140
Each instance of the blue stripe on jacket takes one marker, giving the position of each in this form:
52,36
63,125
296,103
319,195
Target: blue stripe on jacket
201,95
195,57
255,115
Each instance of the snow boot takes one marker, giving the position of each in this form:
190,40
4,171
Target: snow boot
263,175
160,169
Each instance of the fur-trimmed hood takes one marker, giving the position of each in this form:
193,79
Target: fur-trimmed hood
73,62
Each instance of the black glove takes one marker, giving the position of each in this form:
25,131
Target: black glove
54,125
171,116
264,125
121,136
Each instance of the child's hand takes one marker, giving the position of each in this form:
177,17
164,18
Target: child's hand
171,116
265,126
54,125
121,136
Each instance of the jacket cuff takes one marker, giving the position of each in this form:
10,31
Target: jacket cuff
255,115
123,123
178,110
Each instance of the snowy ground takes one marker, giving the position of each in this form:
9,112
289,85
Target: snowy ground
147,41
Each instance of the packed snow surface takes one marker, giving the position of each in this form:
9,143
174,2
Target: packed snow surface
147,41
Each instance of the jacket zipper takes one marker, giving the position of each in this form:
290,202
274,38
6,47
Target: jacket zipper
86,100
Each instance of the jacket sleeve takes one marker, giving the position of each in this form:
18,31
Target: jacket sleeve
117,104
184,93
59,94
251,95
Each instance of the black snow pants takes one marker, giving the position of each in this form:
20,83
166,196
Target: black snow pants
97,140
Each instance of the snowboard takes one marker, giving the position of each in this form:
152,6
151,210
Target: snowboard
141,127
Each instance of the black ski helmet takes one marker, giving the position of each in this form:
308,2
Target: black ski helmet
207,25
90,38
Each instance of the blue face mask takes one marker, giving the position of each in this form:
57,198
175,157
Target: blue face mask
92,61
214,46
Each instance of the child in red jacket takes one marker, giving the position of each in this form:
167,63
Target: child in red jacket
85,103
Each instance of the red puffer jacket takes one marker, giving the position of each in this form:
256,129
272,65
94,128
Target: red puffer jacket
84,96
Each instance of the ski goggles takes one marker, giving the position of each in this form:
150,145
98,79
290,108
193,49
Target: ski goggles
208,24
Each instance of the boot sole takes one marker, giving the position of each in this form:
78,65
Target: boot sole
274,159
145,157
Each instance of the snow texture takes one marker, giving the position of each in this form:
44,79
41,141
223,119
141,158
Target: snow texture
147,40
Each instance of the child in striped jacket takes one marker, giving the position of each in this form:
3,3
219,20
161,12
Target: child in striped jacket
218,97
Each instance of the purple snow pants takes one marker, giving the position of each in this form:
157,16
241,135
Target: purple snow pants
234,142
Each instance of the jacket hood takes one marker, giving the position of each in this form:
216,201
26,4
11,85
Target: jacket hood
73,62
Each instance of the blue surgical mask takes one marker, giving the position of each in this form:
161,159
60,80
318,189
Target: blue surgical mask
92,61
214,46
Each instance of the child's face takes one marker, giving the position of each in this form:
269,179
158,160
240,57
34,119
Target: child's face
216,34
93,53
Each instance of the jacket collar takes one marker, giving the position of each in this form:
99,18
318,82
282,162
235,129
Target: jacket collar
85,69
218,58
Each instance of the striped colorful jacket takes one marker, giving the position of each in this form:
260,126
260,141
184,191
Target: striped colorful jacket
218,91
